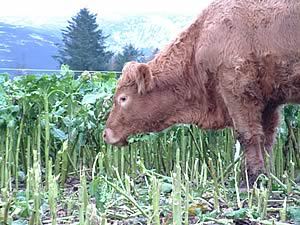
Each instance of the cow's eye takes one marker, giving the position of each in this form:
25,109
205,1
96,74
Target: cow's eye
123,99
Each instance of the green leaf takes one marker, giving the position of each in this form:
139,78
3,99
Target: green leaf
294,213
237,214
90,99
166,187
11,123
19,222
59,112
3,78
68,121
58,133
21,175
102,193
90,125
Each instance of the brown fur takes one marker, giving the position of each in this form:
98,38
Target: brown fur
233,67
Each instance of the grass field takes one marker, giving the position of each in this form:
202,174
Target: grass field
56,169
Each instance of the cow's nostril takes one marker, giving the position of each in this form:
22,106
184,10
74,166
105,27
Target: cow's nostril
108,136
104,134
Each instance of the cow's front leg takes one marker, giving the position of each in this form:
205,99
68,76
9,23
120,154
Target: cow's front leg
245,108
249,131
254,161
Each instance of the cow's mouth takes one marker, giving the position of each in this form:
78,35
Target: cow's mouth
110,138
121,143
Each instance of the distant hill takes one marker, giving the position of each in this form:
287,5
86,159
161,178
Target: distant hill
30,42
149,32
26,47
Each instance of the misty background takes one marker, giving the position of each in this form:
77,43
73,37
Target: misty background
30,31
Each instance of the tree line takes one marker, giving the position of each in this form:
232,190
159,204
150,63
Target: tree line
84,46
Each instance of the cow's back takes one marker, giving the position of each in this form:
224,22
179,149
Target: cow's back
235,29
279,29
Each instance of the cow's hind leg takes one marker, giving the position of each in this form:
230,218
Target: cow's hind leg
271,118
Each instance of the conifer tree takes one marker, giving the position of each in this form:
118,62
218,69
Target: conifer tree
129,53
84,46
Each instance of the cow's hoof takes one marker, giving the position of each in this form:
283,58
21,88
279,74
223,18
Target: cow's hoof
254,179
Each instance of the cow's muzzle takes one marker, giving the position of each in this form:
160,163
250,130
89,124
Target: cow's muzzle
110,138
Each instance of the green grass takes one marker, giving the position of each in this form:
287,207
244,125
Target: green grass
56,169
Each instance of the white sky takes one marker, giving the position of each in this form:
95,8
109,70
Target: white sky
71,7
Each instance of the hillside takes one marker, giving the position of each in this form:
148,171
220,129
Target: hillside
26,47
30,42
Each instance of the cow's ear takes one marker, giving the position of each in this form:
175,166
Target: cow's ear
144,78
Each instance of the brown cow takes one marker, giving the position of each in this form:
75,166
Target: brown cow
233,67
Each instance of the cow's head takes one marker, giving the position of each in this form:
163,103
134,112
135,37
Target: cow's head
140,105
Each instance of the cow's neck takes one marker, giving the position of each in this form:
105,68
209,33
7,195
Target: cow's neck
190,104
203,105
175,70
215,117
174,62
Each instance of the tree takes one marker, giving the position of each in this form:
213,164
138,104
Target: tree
153,54
83,45
129,53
